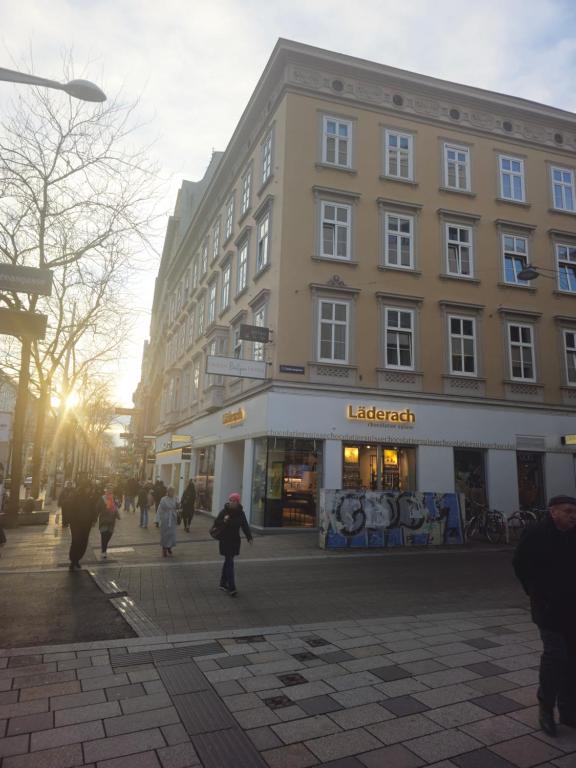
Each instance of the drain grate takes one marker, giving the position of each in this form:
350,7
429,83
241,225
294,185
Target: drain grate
278,702
316,642
304,656
292,679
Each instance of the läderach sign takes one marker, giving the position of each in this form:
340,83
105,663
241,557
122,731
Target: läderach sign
372,413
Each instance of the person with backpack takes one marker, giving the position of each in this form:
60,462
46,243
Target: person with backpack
226,529
107,509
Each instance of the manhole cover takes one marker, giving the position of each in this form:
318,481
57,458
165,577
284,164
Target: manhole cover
293,679
278,702
304,656
316,642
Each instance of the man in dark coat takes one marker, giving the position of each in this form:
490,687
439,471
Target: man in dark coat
545,564
230,520
65,500
188,502
82,515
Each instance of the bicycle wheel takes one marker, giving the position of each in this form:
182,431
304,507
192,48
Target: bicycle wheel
495,527
471,529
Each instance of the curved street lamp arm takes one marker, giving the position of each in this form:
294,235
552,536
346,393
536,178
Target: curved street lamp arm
78,89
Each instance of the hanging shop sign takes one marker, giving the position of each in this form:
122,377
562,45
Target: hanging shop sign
568,439
378,415
181,439
232,418
254,333
186,454
25,280
234,366
13,322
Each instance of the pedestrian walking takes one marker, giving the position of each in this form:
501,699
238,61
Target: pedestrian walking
545,564
143,504
65,501
158,492
107,516
226,529
167,513
188,502
81,517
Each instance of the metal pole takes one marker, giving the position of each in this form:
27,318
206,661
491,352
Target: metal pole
11,517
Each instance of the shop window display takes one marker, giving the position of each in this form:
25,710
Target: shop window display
470,477
378,467
204,478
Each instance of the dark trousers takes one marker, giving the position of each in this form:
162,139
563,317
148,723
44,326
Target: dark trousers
105,537
80,533
227,578
557,673
187,515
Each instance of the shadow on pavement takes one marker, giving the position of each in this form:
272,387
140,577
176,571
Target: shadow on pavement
48,608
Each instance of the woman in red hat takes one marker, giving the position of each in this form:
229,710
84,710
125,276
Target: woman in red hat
226,529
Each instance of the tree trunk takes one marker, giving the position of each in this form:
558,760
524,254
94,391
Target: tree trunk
43,403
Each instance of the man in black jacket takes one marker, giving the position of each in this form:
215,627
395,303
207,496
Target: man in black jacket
545,564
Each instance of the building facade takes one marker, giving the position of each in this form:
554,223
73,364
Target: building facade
378,223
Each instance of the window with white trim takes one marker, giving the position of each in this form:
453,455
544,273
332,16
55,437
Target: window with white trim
515,250
398,156
217,347
570,355
200,315
511,170
521,349
259,320
194,272
245,193
190,335
399,338
237,343
457,167
226,277
204,258
459,254
186,285
216,240
398,241
333,331
263,242
566,266
212,289
563,189
186,375
267,158
195,383
335,230
462,340
242,277
229,226
337,142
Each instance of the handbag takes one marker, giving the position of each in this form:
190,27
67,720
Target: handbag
216,531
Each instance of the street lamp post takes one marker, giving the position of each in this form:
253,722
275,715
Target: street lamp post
85,91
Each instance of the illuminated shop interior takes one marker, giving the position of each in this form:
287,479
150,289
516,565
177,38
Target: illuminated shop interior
377,467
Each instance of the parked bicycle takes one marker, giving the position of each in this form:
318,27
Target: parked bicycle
489,524
518,522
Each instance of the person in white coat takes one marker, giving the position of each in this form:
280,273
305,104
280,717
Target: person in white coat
167,514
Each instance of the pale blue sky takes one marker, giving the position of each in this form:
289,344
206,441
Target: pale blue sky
194,64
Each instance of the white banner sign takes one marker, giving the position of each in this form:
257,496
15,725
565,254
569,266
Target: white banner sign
234,366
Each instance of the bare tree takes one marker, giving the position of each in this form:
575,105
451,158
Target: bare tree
76,197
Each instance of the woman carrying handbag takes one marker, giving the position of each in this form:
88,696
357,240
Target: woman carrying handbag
226,529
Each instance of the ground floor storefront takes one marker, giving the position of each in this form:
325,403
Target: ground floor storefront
279,449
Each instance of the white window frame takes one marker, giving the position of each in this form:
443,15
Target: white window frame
336,226
461,338
216,241
226,284
398,152
267,158
229,226
237,343
399,237
566,189
212,300
204,258
458,244
195,381
569,354
390,329
337,139
259,319
200,316
448,147
263,242
334,323
191,327
566,266
522,345
195,270
215,348
242,271
246,192
515,255
513,175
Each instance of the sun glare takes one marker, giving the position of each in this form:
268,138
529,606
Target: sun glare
72,400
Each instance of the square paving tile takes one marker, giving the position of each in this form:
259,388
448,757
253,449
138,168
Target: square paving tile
278,702
395,756
404,705
357,717
263,738
308,728
439,746
344,744
497,704
526,751
391,673
334,657
292,679
304,656
496,729
319,705
291,756
481,758
403,728
455,715
485,668
345,762
481,643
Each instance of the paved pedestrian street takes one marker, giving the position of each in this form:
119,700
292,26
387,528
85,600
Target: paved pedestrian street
452,689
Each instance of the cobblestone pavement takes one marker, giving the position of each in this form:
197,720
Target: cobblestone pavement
449,690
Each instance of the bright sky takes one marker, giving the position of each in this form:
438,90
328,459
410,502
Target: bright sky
194,64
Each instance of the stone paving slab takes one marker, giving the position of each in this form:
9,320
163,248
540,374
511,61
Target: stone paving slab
216,700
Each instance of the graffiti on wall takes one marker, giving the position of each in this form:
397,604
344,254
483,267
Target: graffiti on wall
389,519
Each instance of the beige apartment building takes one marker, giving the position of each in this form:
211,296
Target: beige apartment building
379,223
